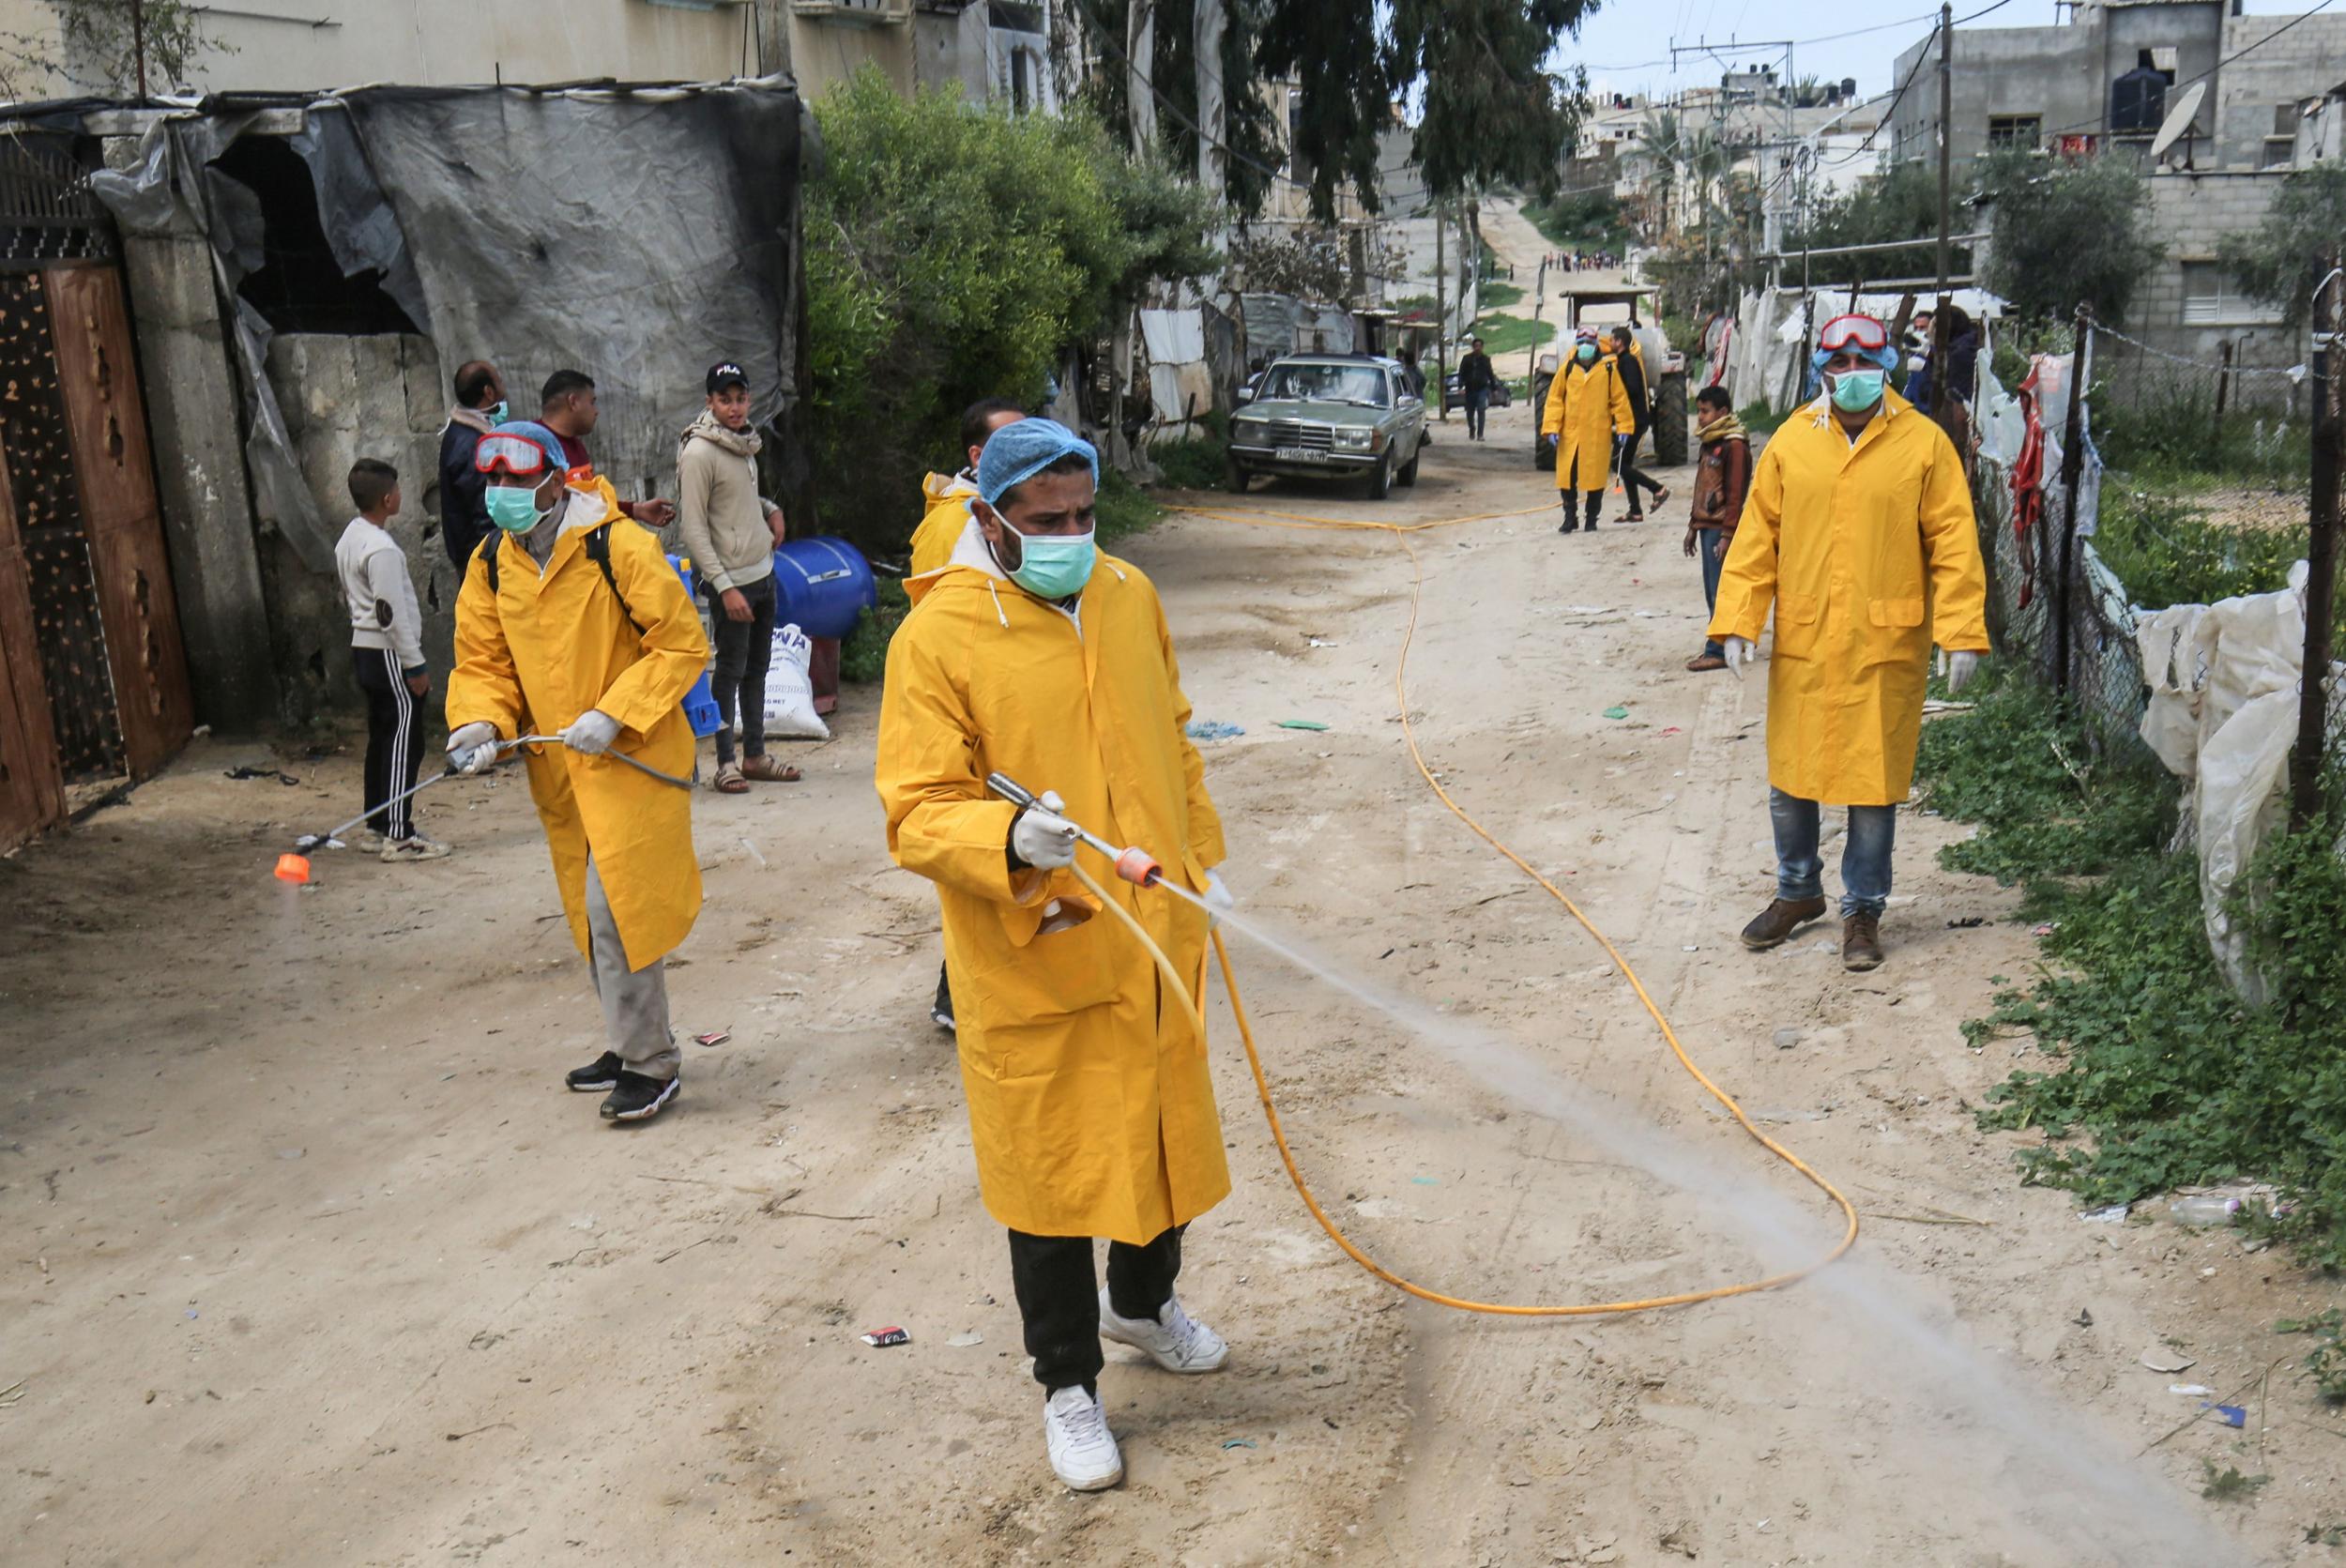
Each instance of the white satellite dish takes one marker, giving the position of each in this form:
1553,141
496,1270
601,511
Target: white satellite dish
2178,121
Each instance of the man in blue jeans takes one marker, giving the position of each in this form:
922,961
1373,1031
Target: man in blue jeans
1476,379
1858,533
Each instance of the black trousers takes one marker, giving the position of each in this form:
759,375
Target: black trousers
394,738
1571,483
1058,1298
744,649
1632,476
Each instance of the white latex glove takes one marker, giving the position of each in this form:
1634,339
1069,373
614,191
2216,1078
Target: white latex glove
1958,668
472,747
1738,651
1042,839
591,733
1219,899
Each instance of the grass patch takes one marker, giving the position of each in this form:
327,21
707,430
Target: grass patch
2163,547
1498,294
1124,509
2156,1075
1505,334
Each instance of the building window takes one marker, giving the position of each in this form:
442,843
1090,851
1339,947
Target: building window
2015,130
2279,152
2211,298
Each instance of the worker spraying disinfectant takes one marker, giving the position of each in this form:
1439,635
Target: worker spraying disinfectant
1092,1111
570,616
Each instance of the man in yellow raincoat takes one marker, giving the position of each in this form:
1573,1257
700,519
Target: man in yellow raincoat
1858,529
946,496
1587,408
569,624
1092,1111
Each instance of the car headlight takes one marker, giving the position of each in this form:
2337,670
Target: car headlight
1250,429
1356,440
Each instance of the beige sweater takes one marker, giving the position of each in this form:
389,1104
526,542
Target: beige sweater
719,520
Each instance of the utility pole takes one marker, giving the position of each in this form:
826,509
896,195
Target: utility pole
2072,470
2329,451
1441,315
1210,23
1140,53
1940,392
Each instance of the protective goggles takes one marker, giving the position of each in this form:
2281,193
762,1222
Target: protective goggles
515,455
1863,333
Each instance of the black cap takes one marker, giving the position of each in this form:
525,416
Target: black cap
726,373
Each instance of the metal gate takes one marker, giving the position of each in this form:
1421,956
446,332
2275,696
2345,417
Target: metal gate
93,680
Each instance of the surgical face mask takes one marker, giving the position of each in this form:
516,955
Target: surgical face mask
1053,566
1855,391
1586,353
513,509
498,412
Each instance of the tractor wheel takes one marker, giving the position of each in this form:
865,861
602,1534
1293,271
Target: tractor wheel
1669,421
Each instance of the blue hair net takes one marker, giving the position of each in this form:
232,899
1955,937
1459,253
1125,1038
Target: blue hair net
1017,452
530,430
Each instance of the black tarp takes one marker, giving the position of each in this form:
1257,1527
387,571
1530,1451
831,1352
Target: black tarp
636,234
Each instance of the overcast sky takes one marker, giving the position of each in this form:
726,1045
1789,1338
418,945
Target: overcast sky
1626,45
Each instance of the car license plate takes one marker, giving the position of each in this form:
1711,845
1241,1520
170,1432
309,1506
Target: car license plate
1300,454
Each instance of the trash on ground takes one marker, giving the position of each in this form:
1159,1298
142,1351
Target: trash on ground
2044,930
1969,922
1786,1037
2159,1358
1670,729
2234,1415
714,1037
1211,729
240,773
1617,713
2115,1214
2195,1390
1424,1180
1301,723
1239,1442
2205,1208
886,1336
1320,641
963,1340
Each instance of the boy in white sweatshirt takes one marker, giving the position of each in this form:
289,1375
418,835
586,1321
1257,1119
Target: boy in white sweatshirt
386,652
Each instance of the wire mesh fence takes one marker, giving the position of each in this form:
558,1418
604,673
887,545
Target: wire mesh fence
2195,484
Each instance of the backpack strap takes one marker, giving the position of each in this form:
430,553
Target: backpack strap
487,552
597,546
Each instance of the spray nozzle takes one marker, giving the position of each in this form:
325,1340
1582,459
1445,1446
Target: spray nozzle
1133,865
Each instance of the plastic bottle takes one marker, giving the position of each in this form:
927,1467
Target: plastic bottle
2204,1208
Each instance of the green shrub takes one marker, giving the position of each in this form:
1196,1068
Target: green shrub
2157,1075
863,652
2166,552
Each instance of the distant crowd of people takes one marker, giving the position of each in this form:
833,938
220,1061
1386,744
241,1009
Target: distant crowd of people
1582,261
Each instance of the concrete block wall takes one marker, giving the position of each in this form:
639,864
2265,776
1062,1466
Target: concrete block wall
2306,62
346,398
2192,213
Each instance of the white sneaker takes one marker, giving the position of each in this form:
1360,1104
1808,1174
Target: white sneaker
1173,1339
1082,1450
414,847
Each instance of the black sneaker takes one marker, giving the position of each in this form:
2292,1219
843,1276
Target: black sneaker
597,1076
637,1098
941,1010
1567,526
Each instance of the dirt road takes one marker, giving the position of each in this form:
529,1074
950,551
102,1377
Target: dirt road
313,1260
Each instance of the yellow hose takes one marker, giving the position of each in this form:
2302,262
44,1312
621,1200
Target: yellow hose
1669,1035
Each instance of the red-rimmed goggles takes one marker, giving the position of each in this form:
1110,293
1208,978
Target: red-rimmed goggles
517,456
1863,333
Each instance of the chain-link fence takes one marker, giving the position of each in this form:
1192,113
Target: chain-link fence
2194,484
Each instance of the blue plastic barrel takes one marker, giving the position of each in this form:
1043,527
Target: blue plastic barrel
700,702
821,585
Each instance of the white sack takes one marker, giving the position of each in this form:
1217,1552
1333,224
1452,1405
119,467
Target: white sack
790,692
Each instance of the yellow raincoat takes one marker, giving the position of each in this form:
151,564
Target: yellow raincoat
541,651
947,498
1586,408
1092,1111
1869,555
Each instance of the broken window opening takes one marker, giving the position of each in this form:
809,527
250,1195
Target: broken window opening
300,287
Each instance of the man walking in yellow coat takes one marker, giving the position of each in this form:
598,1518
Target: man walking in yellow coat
1858,529
569,624
1587,408
1092,1111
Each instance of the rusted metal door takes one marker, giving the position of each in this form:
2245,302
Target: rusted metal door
32,790
115,472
